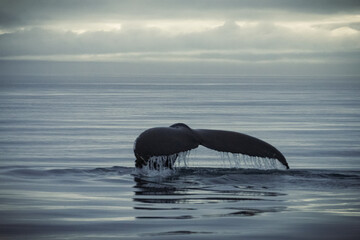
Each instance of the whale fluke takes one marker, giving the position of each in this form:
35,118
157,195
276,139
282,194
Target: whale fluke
168,142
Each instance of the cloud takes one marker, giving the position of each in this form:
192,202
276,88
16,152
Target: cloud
227,37
237,33
24,13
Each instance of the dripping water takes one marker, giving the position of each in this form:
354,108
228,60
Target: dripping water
236,160
159,165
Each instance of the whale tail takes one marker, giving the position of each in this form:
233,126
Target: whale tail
234,142
166,142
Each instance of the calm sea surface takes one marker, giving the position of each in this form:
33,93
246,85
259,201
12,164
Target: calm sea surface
67,164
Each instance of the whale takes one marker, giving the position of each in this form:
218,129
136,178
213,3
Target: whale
164,144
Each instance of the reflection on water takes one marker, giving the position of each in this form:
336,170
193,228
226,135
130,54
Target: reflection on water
181,197
117,202
174,233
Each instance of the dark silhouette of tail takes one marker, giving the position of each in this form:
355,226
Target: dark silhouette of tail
234,142
169,141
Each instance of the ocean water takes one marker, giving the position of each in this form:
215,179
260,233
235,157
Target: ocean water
67,164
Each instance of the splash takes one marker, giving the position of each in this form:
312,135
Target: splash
164,165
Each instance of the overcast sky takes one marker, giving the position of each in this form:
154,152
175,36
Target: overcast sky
242,37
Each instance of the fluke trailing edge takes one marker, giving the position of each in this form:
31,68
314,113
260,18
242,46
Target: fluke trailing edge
167,142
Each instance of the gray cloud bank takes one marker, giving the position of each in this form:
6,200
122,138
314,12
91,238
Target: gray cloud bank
228,40
24,12
247,34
